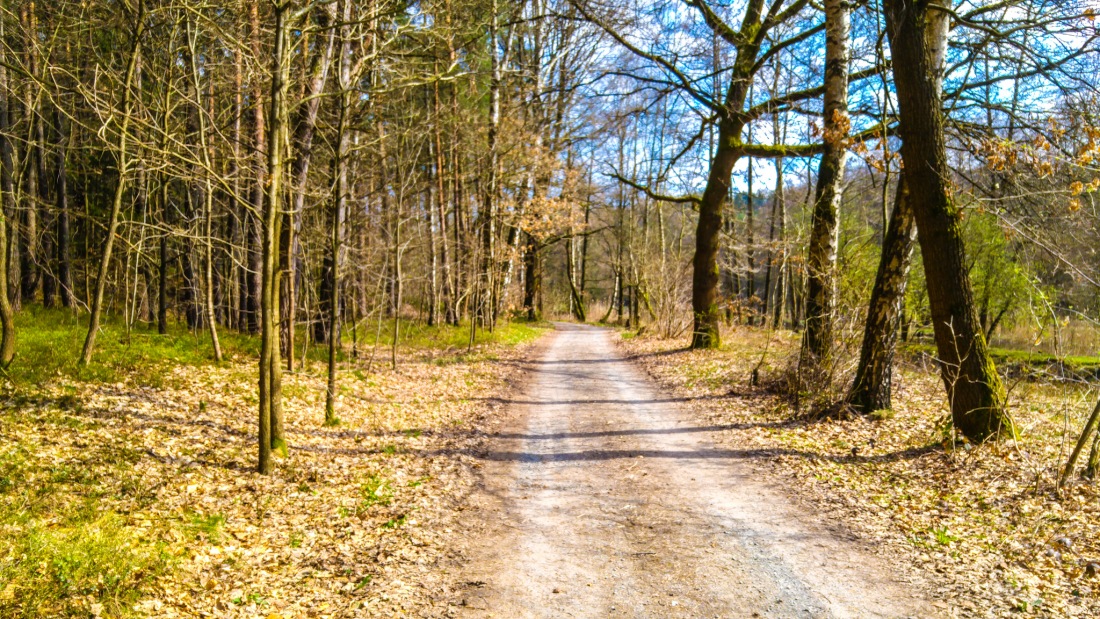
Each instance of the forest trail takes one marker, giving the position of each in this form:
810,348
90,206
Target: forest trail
603,498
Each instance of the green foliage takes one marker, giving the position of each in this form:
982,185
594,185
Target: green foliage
376,491
295,540
882,414
418,336
61,550
942,536
1015,360
395,523
857,263
1004,286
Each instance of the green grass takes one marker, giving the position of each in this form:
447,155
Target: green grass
419,336
208,526
49,341
64,552
1017,359
376,490
48,344
61,550
61,571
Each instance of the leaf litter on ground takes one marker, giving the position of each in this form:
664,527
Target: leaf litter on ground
354,522
984,522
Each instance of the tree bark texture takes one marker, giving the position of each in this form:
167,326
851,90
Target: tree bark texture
974,388
817,340
871,389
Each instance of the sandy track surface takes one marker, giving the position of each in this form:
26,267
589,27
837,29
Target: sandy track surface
602,497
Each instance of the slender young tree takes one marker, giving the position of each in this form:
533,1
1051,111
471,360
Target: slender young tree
122,161
339,203
304,130
7,207
272,436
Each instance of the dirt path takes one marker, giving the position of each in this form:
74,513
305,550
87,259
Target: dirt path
604,498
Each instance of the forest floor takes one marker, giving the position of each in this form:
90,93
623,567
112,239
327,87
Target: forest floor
529,477
983,523
128,489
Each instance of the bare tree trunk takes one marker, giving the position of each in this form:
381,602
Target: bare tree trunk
206,191
782,277
871,389
488,224
975,390
532,278
815,359
162,260
46,250
254,228
339,205
28,240
64,257
272,437
447,291
303,145
120,187
7,208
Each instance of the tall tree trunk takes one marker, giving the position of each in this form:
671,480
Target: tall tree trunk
7,209
579,311
705,272
272,438
871,389
731,123
304,130
162,260
488,225
237,222
447,291
203,192
815,359
750,253
255,226
433,252
780,212
532,278
64,257
28,239
584,249
120,188
46,248
974,388
339,206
